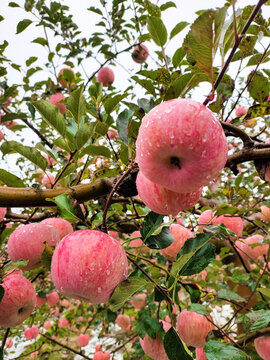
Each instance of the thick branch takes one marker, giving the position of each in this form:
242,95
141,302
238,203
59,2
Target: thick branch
248,142
248,155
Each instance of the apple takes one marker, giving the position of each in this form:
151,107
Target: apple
162,200
105,76
47,325
193,328
31,333
153,348
18,302
262,346
112,133
3,212
27,242
64,82
99,355
63,226
240,111
48,181
200,354
54,99
83,340
83,266
252,252
140,53
63,323
123,321
233,223
139,301
9,343
181,145
1,135
264,214
180,234
52,298
40,301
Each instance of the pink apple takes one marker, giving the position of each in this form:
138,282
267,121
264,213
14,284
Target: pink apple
63,226
181,145
99,355
264,214
139,301
18,302
163,201
27,243
65,303
48,181
9,343
63,323
83,340
193,328
47,325
83,266
252,252
1,135
64,82
98,347
140,53
233,223
153,348
40,301
2,213
123,321
105,76
50,161
200,354
31,333
112,133
52,298
40,176
262,346
54,99
240,110
138,243
166,325
180,234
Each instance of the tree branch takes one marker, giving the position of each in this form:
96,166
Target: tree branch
247,155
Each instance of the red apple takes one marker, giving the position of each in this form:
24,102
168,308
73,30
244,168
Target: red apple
52,298
2,213
9,343
63,323
139,301
40,301
83,340
264,214
153,348
140,53
64,82
233,223
83,266
123,321
47,325
18,302
262,346
252,252
1,135
200,354
31,333
181,145
63,226
99,355
54,99
240,111
105,76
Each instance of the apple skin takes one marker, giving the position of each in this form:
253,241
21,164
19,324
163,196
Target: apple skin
262,346
83,340
63,323
200,354
64,83
180,234
240,110
2,213
193,328
1,135
105,76
52,298
162,200
18,302
139,301
31,333
27,243
181,145
47,325
83,266
9,343
140,54
40,301
123,321
264,214
249,252
153,348
63,226
54,100
233,223
100,355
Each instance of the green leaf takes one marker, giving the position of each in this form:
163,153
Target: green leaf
151,223
122,124
259,87
258,110
46,256
174,346
256,320
13,4
15,265
111,103
167,5
161,240
157,30
199,309
190,248
178,57
203,38
147,84
22,25
2,293
264,291
95,10
107,173
97,150
178,28
51,115
216,350
101,128
31,60
5,233
13,116
11,180
66,208
41,41
146,104
84,134
29,153
1,354
229,295
200,260
76,104
125,290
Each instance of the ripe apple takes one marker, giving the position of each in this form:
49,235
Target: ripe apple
31,333
193,328
200,354
105,76
47,325
83,266
123,321
252,252
264,214
63,226
2,213
27,243
180,234
9,343
262,346
63,323
48,181
65,83
181,145
139,301
99,355
40,301
112,133
233,223
240,110
162,200
153,348
54,99
52,298
1,135
18,302
83,340
140,53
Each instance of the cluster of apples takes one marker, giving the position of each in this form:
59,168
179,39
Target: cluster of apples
180,148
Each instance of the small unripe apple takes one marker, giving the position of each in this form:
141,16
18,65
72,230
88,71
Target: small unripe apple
18,302
162,200
54,100
140,53
63,226
3,212
181,145
262,346
31,333
83,340
139,301
64,82
47,325
252,252
153,348
240,111
180,234
63,323
52,298
105,76
123,321
193,328
83,266
27,243
200,354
